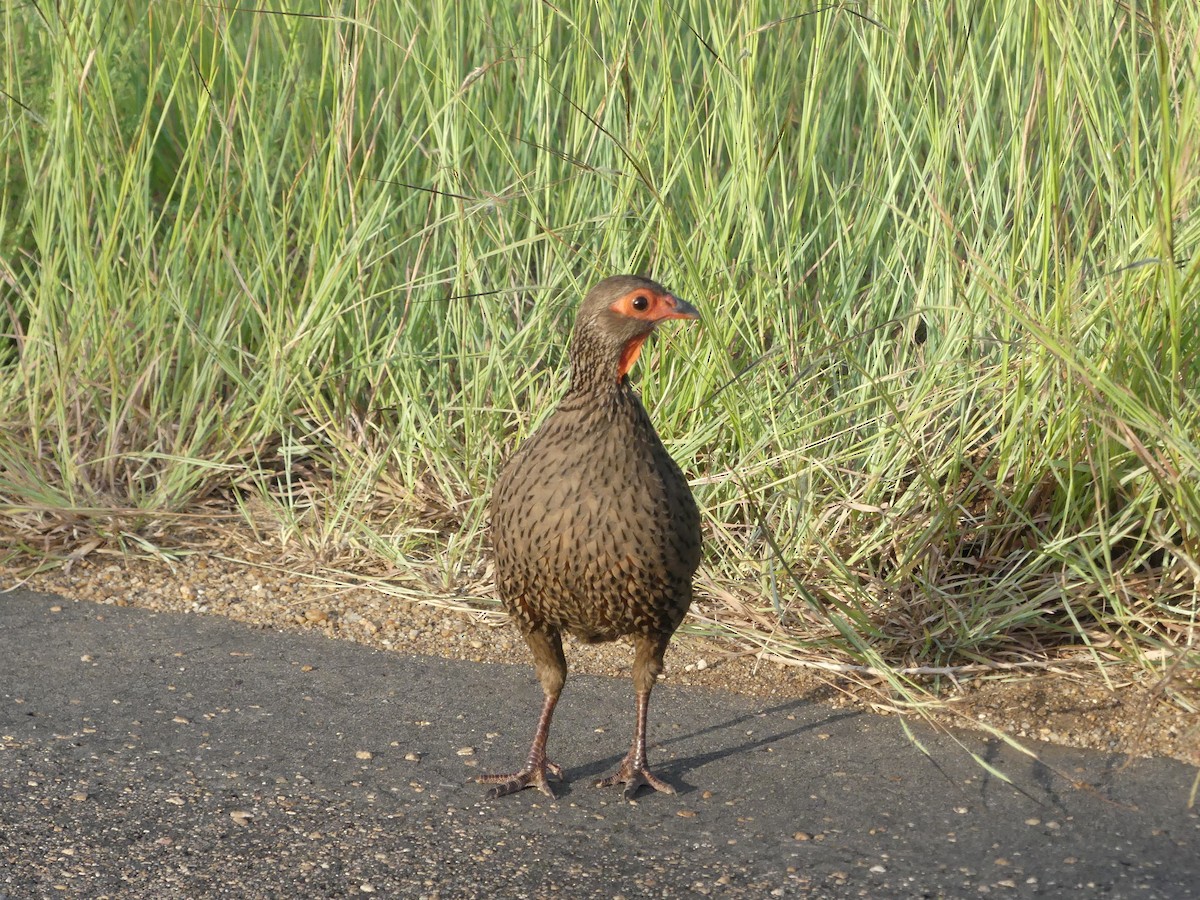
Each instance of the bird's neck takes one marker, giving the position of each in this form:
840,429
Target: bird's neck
599,369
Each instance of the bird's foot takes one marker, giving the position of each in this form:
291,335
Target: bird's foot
538,775
634,776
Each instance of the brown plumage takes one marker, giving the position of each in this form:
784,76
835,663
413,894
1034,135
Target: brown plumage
594,526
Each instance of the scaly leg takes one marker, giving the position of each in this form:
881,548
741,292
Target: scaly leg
551,667
633,772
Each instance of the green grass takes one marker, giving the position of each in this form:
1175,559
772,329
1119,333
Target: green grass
320,270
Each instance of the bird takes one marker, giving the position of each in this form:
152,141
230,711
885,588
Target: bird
594,528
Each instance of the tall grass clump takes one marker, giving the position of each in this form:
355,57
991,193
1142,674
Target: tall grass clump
318,270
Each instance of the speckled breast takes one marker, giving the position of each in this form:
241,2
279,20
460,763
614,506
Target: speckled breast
594,527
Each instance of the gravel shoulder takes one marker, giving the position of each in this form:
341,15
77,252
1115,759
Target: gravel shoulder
1075,709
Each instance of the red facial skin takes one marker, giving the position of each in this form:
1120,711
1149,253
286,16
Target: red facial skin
655,308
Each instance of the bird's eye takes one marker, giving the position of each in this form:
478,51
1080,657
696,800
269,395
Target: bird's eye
641,303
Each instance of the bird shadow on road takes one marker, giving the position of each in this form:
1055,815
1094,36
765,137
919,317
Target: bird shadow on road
675,768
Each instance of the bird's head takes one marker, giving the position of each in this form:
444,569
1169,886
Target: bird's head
617,316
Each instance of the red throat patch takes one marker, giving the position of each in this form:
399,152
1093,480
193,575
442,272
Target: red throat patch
629,355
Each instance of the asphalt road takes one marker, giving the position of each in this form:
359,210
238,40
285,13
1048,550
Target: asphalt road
157,755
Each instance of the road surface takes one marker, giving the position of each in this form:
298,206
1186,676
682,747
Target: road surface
163,755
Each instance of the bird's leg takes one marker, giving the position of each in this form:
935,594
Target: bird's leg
633,772
551,667
538,770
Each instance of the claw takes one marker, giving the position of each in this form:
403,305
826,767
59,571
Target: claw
635,777
538,776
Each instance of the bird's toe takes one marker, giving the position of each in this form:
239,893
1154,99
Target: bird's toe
634,778
531,776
